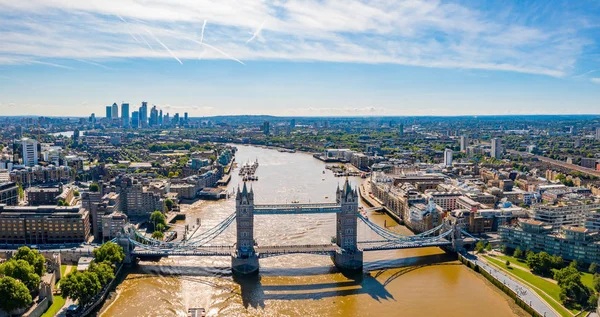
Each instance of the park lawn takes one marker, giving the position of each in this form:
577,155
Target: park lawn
59,302
63,269
550,290
513,260
587,279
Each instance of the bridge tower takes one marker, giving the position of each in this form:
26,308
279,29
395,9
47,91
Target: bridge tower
244,260
348,257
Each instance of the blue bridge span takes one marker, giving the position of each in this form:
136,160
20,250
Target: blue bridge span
345,249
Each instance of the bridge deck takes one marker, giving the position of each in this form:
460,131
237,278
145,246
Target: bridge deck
380,246
286,209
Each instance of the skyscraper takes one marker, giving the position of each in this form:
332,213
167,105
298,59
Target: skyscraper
30,152
115,111
185,118
125,114
135,119
160,118
448,157
108,112
464,142
144,114
266,128
496,151
293,123
153,117
598,134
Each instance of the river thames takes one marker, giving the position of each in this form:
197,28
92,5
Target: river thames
416,282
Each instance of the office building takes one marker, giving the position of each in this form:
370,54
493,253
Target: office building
135,119
153,121
43,224
109,112
571,243
112,225
266,128
448,153
589,162
185,118
464,143
496,151
598,134
563,214
125,114
144,115
30,152
115,111
9,194
160,118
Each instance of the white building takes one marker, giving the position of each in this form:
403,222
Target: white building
448,157
564,214
30,152
496,151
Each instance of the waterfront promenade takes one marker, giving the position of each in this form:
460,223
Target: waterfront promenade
524,292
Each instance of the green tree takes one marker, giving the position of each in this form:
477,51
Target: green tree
488,247
541,263
158,235
160,227
76,193
169,203
94,188
480,246
593,301
504,249
13,294
33,257
507,263
157,218
572,289
518,253
596,282
109,252
593,268
103,270
21,270
21,192
80,286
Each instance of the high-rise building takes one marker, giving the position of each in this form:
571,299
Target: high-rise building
160,118
115,111
401,129
125,114
144,114
448,157
293,123
93,120
135,119
496,151
266,128
176,119
598,134
153,121
30,152
109,112
185,118
464,142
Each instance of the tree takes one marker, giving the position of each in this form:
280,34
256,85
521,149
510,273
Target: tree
169,203
507,263
158,235
103,270
488,247
596,282
480,246
157,218
504,249
22,271
76,193
160,227
80,286
13,294
21,192
518,253
109,252
593,268
94,188
33,257
571,287
593,301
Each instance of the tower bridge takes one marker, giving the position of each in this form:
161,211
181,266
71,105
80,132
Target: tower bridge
345,250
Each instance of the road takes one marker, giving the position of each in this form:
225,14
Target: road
524,292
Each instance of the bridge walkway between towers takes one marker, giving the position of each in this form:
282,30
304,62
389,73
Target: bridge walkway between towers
296,209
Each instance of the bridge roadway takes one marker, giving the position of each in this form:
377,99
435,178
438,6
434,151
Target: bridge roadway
276,250
296,209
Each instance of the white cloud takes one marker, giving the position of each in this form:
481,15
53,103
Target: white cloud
416,33
595,80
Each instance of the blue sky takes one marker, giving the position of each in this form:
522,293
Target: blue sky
310,57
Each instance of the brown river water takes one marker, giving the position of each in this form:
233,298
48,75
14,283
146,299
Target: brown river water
415,282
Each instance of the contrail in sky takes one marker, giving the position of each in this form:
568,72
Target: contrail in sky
202,34
591,71
92,63
128,30
144,39
218,50
255,34
163,45
51,64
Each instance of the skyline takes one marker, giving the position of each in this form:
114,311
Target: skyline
287,59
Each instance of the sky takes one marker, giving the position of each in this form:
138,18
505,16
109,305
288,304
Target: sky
300,58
